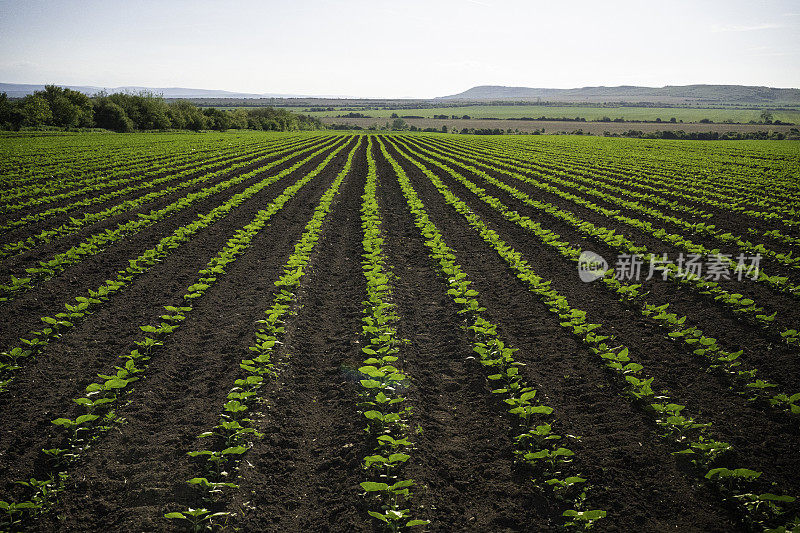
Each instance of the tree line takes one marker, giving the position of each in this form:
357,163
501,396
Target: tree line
59,107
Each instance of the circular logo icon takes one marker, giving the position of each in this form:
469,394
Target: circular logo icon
591,266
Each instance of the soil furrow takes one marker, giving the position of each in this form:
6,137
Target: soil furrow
463,457
127,481
758,434
656,495
48,297
306,470
774,359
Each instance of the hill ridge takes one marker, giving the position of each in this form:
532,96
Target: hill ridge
705,93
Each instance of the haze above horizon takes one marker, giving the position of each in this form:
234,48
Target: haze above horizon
384,49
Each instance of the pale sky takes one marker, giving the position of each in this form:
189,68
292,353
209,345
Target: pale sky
402,48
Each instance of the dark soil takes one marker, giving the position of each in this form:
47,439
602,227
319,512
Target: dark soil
758,433
658,495
139,470
55,221
23,313
304,474
462,459
763,350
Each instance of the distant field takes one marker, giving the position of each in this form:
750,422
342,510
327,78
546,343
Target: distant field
559,126
589,113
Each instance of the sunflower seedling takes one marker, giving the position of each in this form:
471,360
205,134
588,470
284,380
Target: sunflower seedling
584,519
198,519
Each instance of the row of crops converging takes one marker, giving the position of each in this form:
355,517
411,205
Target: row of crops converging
379,332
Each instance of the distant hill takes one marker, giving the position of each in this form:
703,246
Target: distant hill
18,90
707,94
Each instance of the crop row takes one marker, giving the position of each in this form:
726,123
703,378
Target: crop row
143,180
779,283
101,397
383,382
667,184
235,433
729,172
691,437
655,194
513,160
96,243
47,168
740,305
537,445
54,190
679,329
55,326
161,187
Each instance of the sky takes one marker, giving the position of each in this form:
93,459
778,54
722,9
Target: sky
398,49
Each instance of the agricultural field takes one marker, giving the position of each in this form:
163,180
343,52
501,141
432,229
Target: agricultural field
628,113
554,127
309,331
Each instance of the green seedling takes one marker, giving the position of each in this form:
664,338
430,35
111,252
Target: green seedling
764,506
732,479
218,458
15,511
705,451
80,423
548,461
393,516
790,403
524,408
209,486
197,519
562,487
583,519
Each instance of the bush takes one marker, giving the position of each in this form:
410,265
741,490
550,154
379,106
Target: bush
71,109
36,111
111,116
185,115
217,119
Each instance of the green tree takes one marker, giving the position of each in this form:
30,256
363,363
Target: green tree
70,108
65,113
111,116
238,119
36,111
766,117
6,112
186,115
146,110
217,119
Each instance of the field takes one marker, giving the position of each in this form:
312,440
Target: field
560,126
681,114
321,332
